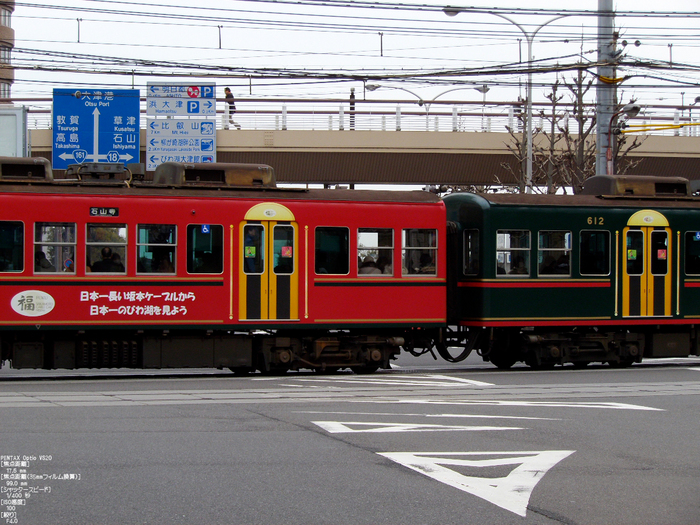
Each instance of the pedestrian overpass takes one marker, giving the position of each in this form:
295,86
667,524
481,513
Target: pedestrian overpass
403,157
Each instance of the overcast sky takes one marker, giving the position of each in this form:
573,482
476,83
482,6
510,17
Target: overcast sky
235,42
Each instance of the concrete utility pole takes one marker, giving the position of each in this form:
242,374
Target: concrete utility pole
605,91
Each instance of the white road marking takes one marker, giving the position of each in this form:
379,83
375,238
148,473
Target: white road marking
536,404
394,414
460,380
413,380
511,493
337,427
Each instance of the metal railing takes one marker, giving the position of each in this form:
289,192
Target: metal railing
396,115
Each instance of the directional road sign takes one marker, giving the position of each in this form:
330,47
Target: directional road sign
184,100
184,140
95,125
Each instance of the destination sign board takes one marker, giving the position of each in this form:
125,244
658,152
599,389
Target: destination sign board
183,100
95,125
183,140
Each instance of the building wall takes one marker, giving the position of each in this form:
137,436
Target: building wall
7,43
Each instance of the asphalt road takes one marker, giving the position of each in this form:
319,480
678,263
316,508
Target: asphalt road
424,443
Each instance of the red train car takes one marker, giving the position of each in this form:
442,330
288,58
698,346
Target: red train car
214,266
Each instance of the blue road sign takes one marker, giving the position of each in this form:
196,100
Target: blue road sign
180,140
183,100
95,125
170,90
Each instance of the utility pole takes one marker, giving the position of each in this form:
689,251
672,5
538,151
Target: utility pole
605,91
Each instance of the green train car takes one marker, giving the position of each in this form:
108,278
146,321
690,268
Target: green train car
611,275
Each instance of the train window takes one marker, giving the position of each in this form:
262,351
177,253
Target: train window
419,253
594,252
692,253
205,248
659,252
471,252
156,245
54,247
283,249
332,251
254,248
512,252
106,248
375,251
554,253
11,246
635,252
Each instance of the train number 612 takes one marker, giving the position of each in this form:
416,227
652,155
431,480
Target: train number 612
597,221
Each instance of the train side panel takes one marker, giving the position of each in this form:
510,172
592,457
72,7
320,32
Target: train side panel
139,280
574,279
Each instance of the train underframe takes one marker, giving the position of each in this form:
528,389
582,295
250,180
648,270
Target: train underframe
616,346
242,352
332,350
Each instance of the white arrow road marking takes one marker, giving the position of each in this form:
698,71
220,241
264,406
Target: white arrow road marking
337,427
511,493
394,414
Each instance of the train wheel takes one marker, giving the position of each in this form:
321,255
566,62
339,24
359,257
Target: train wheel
505,349
543,366
327,370
502,361
534,362
241,370
624,362
445,354
361,370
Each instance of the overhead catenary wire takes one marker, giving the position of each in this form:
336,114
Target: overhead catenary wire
347,16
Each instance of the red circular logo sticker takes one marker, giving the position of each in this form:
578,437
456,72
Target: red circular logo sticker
193,91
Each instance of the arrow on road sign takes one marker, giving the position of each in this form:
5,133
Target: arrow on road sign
96,135
80,156
511,492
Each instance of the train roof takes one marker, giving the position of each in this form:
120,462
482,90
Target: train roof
502,199
171,179
605,191
115,189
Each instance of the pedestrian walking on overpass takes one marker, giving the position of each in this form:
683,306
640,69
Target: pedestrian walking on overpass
231,107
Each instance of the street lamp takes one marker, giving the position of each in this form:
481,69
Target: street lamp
630,111
690,112
529,37
481,89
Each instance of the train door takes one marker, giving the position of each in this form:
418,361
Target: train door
269,264
647,270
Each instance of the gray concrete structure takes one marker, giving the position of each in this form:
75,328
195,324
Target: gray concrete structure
404,157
